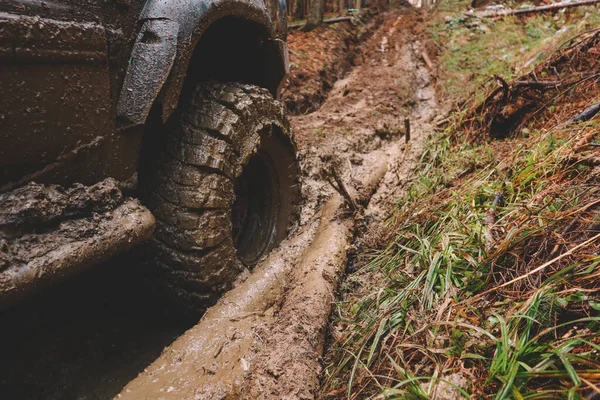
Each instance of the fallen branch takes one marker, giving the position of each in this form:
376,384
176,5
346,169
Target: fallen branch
337,184
427,60
551,7
586,114
538,84
326,21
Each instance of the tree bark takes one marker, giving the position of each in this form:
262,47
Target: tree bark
299,9
315,16
273,9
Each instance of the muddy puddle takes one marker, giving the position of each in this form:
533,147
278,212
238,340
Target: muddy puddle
88,338
84,339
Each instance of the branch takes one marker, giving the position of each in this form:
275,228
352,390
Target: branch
551,7
336,183
326,21
586,114
543,85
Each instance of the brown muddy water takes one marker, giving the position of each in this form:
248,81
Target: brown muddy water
86,338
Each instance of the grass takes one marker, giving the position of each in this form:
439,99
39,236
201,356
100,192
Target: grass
486,285
473,50
426,318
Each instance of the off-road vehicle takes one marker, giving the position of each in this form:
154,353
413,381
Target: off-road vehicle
175,100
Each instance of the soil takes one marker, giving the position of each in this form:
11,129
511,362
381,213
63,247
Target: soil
266,338
360,123
231,333
364,115
88,338
319,58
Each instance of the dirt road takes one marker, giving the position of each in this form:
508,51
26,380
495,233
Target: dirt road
88,338
265,339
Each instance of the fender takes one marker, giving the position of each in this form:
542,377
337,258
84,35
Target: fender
170,30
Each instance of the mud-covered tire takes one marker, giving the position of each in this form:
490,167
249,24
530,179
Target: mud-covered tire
227,150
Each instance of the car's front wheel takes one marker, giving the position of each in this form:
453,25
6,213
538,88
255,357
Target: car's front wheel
225,189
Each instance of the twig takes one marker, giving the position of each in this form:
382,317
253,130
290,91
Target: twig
538,269
538,84
586,114
326,21
591,385
338,185
551,7
406,130
427,60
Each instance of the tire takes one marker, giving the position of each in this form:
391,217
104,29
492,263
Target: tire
225,189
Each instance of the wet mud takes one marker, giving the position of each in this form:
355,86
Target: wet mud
266,337
320,58
267,341
293,347
359,131
87,337
48,233
211,360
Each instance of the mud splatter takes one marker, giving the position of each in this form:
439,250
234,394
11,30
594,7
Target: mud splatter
48,233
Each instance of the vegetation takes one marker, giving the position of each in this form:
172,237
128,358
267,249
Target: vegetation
474,50
486,285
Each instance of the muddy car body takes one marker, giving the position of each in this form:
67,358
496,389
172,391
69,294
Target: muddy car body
90,85
78,75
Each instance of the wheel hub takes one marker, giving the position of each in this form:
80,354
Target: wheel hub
256,208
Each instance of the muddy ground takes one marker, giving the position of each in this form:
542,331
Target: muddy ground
321,57
87,338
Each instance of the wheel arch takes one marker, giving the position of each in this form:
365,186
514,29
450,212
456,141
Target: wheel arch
183,40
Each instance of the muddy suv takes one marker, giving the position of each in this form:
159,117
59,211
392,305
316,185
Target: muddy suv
175,100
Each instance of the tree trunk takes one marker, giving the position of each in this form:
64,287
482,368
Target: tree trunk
315,16
273,8
299,9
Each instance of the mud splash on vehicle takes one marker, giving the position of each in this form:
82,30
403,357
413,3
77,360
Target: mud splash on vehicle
48,233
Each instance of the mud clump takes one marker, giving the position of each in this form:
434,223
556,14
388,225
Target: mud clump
35,206
48,233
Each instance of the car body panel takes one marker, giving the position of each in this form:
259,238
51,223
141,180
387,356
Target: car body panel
55,89
79,79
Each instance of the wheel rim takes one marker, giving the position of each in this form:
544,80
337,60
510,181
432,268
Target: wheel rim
256,208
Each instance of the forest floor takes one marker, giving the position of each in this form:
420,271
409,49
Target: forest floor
483,284
456,258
